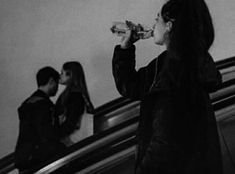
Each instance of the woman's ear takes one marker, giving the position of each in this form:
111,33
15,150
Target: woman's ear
169,26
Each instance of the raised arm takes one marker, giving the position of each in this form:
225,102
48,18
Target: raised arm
129,82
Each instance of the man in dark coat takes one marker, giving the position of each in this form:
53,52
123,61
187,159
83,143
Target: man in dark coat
37,141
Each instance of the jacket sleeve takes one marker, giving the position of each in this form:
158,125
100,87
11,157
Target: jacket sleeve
74,111
129,82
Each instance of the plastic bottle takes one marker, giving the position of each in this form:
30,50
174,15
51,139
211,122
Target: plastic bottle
141,31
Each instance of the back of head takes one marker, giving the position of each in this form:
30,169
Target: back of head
190,38
192,30
45,74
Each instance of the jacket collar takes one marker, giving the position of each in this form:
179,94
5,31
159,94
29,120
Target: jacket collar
40,93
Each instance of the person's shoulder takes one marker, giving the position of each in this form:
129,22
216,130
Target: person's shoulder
153,62
36,99
75,94
75,97
33,104
39,103
160,57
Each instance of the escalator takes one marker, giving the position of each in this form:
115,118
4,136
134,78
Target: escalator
112,147
116,153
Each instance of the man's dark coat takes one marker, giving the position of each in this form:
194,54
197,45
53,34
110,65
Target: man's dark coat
37,141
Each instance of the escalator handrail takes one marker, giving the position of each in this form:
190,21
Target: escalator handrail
81,152
218,105
121,101
6,163
225,63
227,101
131,121
225,85
101,110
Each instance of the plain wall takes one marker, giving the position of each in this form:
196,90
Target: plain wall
37,33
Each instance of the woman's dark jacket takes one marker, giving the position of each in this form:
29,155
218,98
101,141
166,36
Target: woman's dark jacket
72,106
37,141
177,130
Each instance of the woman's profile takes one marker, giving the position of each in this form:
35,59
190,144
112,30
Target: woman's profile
71,120
177,131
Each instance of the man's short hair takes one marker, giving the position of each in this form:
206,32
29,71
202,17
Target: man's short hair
45,73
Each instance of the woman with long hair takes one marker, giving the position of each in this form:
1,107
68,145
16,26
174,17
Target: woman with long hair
72,103
177,131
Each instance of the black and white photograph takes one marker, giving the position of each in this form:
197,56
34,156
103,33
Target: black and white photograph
117,87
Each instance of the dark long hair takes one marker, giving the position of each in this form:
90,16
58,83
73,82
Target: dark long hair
77,83
192,32
190,39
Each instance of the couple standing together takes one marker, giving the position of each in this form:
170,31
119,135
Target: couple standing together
46,129
177,131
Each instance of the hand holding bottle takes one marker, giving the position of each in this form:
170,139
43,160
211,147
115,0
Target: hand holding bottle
131,32
126,40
